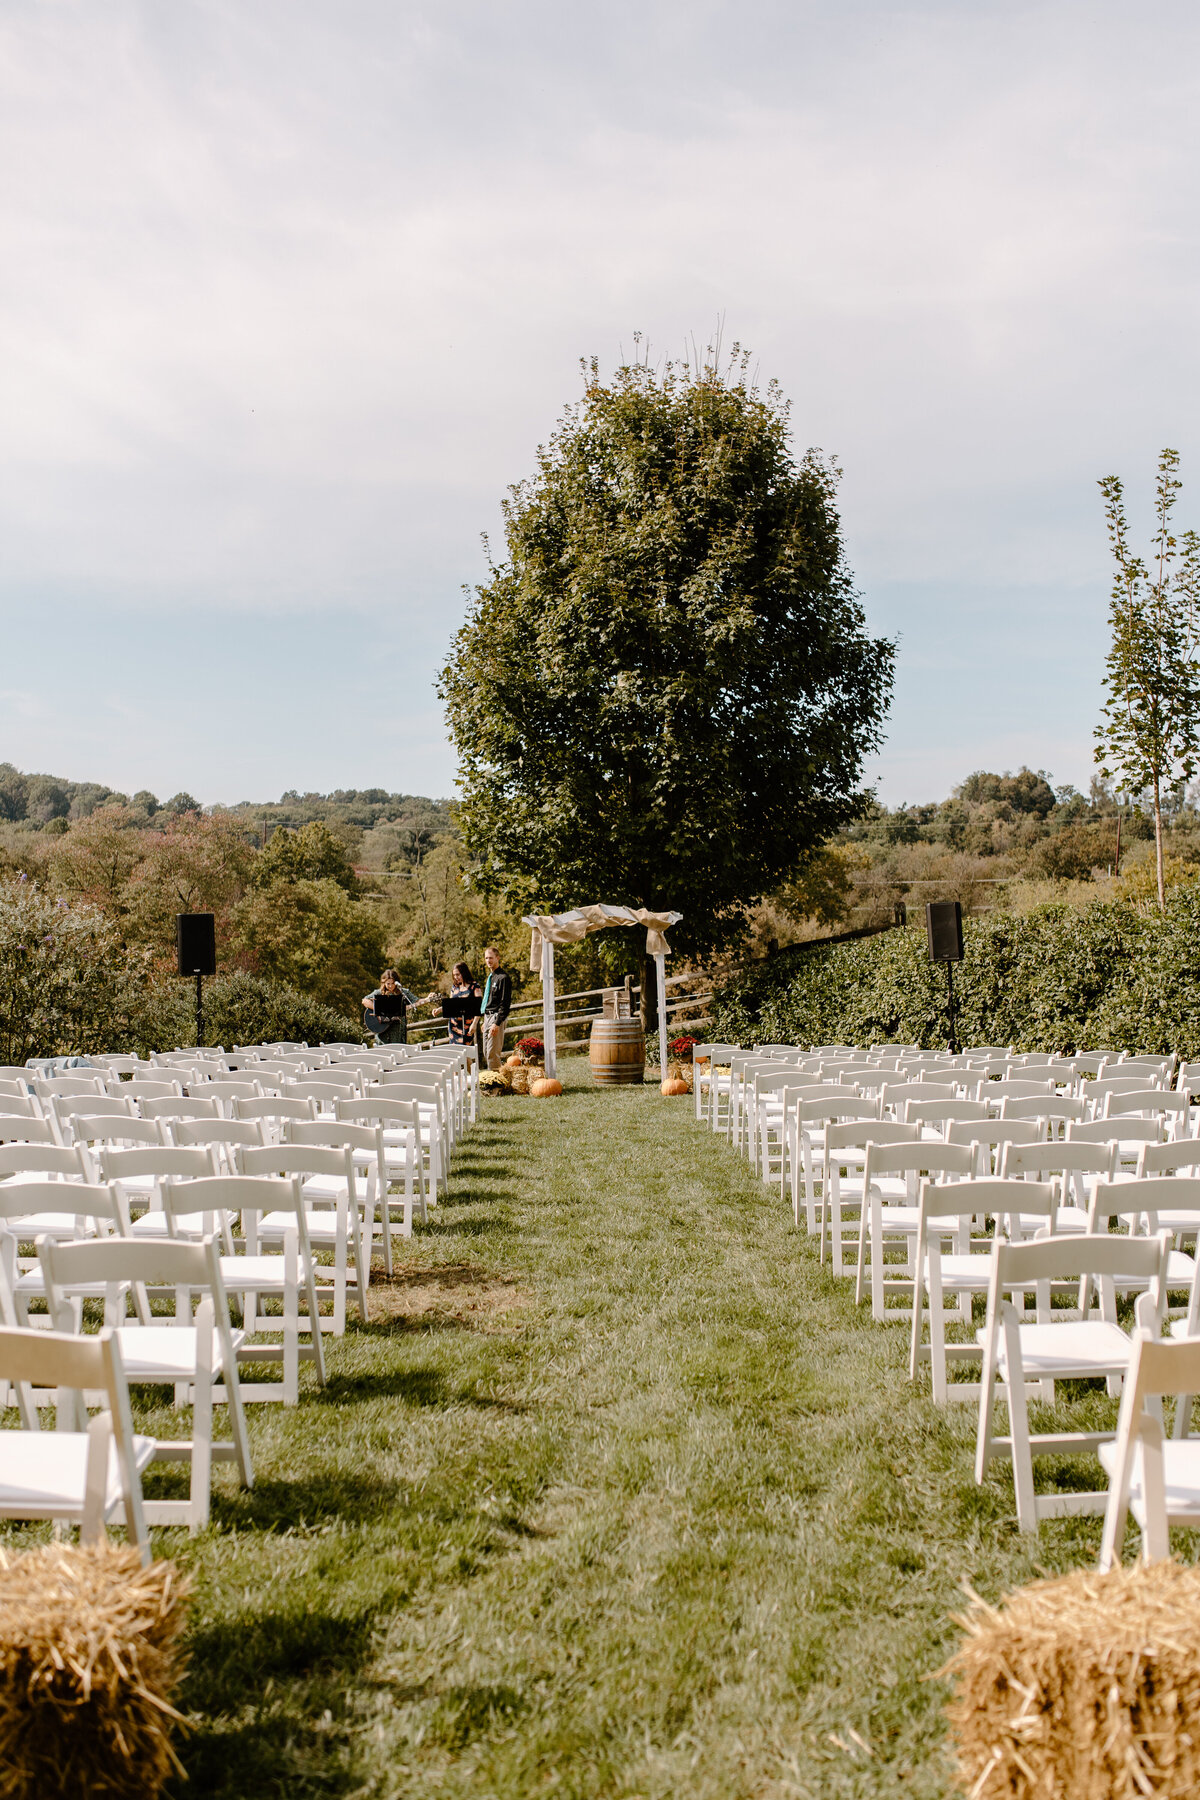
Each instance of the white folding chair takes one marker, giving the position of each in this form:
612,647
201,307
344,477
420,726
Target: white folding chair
807,1123
337,1228
949,1211
1051,1350
846,1147
369,1156
84,1473
890,1214
1157,1480
139,1174
1072,1162
196,1357
253,1275
402,1127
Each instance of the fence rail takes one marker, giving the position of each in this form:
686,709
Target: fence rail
428,1030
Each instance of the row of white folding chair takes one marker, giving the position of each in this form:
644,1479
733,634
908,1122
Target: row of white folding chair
339,1212
1013,1352
259,1121
57,1210
194,1354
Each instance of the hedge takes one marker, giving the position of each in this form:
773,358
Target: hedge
1111,975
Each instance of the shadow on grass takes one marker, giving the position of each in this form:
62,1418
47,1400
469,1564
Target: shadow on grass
293,1504
418,1387
244,1676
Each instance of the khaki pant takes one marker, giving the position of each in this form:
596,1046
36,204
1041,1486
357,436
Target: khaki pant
493,1040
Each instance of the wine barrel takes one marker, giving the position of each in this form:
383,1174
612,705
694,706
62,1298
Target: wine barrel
617,1052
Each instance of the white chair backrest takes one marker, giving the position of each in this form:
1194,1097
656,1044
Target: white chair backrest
1147,1101
943,1112
167,1107
20,1130
66,1160
139,1089
1128,1130
218,1131
189,1162
1059,1158
273,1107
1044,1106
57,1086
20,1106
95,1200
1169,1159
300,1159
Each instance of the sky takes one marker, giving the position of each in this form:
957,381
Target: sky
290,292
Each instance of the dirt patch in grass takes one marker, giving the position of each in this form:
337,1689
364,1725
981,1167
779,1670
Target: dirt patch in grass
463,1293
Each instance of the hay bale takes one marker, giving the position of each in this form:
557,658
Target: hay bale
89,1656
1082,1686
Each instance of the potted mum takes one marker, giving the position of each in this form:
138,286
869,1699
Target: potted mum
679,1067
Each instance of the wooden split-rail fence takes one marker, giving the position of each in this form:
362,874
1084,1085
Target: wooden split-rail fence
575,1013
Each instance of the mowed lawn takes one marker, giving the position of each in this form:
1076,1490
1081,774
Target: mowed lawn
618,1494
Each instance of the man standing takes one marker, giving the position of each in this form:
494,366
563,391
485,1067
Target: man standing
497,1004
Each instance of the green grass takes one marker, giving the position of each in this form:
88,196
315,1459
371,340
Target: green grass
675,1524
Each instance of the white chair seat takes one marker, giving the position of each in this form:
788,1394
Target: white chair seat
322,1224
899,1218
1181,1479
58,1225
43,1473
154,1224
328,1188
1181,1272
964,1273
1074,1348
263,1273
166,1352
1183,1224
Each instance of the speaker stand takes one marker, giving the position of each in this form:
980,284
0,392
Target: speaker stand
949,1004
200,1009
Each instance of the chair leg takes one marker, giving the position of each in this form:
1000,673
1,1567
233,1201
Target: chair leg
1018,1422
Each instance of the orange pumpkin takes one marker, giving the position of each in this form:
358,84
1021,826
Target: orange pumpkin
675,1086
542,1090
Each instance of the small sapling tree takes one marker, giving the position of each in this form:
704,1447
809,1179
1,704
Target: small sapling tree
1150,737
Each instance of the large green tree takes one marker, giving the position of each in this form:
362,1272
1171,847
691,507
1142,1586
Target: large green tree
664,693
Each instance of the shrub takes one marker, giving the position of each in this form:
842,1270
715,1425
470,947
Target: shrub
1111,975
70,987
239,1009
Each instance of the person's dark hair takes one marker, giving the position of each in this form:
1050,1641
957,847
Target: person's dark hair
390,975
462,975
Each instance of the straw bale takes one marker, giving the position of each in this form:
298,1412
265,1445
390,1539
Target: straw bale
89,1657
1082,1686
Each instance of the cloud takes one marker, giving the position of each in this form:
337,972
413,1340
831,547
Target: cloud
292,293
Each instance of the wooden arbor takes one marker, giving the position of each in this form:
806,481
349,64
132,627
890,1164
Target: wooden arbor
570,928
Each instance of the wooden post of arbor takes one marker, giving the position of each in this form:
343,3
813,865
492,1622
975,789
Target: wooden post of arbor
549,1025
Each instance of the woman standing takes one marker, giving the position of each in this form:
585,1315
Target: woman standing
463,987
386,1009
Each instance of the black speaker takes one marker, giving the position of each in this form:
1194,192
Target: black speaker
943,927
196,943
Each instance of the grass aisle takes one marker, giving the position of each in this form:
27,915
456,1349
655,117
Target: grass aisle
619,1495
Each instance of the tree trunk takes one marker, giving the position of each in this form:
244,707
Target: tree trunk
649,1007
1158,846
